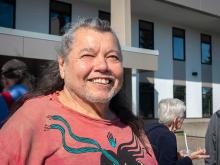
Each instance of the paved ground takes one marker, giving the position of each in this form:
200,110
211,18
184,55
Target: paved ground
195,129
193,144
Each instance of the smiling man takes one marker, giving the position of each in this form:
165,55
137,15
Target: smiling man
77,116
92,72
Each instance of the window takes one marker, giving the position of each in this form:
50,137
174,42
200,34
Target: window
179,92
60,15
206,50
146,34
7,13
105,16
206,102
178,44
146,100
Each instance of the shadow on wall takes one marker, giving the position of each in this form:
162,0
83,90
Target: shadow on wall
34,65
148,96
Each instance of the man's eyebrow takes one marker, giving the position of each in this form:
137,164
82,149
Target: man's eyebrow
114,51
87,50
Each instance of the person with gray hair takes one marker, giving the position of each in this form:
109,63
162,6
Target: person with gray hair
171,113
77,114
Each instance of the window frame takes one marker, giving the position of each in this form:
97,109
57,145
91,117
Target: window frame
211,112
50,9
210,37
148,89
184,43
184,92
14,14
139,28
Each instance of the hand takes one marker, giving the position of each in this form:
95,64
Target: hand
199,154
182,153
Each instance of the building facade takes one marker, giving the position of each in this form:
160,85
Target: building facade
171,48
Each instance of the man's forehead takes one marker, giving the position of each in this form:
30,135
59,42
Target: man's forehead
87,50
86,31
90,36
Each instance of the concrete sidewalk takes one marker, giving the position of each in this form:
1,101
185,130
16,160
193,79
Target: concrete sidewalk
193,144
195,130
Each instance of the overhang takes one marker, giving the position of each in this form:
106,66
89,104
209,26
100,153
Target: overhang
138,58
43,46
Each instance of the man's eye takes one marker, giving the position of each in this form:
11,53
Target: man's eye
87,56
113,58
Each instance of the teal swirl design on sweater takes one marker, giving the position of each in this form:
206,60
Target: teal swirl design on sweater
111,139
96,148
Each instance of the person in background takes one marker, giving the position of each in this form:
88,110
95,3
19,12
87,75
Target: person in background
162,138
212,140
78,114
16,81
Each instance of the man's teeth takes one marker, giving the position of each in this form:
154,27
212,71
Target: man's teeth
101,81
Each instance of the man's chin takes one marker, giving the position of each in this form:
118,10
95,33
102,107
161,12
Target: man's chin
103,100
99,96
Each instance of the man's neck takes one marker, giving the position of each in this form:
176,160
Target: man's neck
94,110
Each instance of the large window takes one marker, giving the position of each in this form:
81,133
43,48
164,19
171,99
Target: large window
206,50
146,34
7,13
179,92
178,44
206,102
146,100
60,15
105,16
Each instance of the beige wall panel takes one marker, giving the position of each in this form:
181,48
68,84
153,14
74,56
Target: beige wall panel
139,61
40,49
179,82
208,6
211,6
121,20
11,45
189,3
206,84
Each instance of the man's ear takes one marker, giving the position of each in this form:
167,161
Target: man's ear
61,63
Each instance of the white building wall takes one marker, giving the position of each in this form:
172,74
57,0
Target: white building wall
215,71
193,83
193,99
80,10
32,15
163,77
163,82
210,6
135,91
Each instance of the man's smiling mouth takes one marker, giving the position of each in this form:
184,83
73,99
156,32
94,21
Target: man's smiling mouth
103,81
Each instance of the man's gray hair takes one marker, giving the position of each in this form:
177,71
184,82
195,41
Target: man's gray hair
90,23
169,109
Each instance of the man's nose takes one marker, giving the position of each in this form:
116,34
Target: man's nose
101,64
